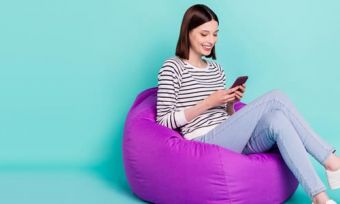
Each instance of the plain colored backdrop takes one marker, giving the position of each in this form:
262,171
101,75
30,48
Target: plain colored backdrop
70,70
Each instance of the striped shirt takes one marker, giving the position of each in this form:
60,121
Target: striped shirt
182,85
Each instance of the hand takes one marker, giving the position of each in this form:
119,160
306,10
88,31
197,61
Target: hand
221,97
240,91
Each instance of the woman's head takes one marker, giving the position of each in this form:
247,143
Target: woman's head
198,32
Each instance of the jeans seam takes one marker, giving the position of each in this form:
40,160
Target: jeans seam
291,113
302,176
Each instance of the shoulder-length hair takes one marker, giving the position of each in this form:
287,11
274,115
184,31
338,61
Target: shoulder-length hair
195,16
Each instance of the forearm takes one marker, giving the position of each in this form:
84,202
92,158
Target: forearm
199,108
230,108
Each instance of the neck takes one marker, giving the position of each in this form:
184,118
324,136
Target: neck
195,59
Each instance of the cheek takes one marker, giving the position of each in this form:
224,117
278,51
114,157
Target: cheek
196,42
215,40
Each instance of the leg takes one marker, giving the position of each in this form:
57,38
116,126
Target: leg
332,163
314,145
235,132
275,128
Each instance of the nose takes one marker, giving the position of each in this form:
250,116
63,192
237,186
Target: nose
212,39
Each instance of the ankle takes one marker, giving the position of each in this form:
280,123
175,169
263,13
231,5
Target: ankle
332,167
320,198
332,163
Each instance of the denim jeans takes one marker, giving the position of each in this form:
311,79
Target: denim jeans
269,120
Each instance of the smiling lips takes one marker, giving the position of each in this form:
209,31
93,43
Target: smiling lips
207,48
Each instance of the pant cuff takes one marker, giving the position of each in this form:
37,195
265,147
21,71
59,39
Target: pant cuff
317,191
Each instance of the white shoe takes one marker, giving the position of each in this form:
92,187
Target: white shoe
329,202
333,178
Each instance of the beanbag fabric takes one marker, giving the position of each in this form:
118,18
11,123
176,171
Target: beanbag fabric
163,167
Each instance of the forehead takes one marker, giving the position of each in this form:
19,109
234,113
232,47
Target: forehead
211,26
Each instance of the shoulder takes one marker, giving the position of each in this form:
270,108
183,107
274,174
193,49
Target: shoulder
174,65
174,62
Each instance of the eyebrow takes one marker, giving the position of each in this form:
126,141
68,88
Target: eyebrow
209,31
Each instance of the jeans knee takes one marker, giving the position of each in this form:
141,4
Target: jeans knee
278,95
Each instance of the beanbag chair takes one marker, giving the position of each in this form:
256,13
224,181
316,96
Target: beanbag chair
163,167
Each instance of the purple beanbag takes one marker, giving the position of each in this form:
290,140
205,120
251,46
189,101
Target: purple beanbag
163,167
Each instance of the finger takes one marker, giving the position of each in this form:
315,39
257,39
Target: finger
229,91
239,95
235,88
231,99
239,92
230,96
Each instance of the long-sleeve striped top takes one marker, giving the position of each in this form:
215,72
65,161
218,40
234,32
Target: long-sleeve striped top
180,86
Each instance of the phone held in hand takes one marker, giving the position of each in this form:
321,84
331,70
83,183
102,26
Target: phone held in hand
239,81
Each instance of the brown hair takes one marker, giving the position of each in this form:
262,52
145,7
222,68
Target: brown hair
195,16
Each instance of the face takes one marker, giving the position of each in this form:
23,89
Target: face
203,38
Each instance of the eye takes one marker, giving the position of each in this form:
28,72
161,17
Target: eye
202,34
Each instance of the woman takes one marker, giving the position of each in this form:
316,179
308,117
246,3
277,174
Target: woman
192,97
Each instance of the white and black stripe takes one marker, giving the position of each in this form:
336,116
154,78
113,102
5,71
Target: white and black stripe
180,86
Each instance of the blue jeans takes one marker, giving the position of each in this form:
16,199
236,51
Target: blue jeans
269,120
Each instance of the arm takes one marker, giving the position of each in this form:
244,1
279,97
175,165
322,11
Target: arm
239,94
200,107
221,97
169,81
217,98
230,108
230,105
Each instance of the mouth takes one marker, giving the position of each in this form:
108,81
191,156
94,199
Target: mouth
207,47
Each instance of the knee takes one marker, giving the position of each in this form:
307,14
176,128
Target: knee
278,95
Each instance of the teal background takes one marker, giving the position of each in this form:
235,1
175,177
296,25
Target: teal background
70,70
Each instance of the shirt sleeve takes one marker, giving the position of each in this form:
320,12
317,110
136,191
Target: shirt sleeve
168,88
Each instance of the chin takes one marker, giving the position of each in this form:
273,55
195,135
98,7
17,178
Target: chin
206,53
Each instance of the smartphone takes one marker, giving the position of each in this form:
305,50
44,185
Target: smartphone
239,81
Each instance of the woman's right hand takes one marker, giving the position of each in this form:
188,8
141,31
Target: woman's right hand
221,97
217,98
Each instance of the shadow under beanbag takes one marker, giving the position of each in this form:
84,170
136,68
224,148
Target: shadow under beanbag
163,167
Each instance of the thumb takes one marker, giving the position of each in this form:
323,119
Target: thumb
231,90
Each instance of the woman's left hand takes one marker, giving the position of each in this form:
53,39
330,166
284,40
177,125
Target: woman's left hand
240,92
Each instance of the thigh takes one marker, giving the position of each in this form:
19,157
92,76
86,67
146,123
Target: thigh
235,132
262,138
